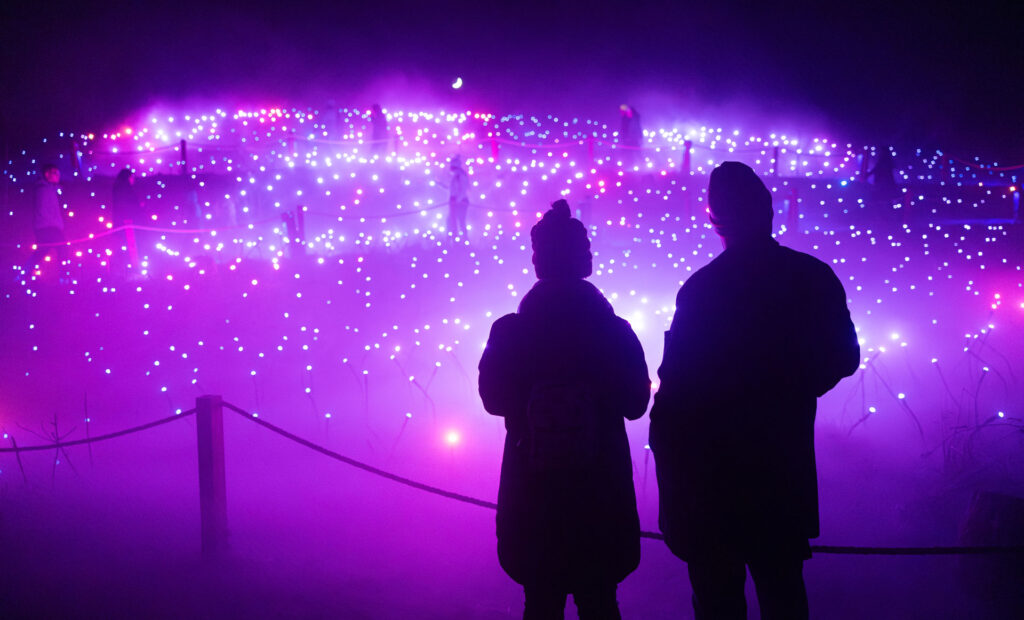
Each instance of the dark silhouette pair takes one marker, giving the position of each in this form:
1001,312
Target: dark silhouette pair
758,334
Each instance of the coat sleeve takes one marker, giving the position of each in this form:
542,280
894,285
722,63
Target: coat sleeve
683,341
500,370
630,387
686,378
838,353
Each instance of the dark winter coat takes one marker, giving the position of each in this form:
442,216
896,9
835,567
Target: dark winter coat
758,335
125,204
574,526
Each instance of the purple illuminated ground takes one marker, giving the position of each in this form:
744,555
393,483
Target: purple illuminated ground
367,342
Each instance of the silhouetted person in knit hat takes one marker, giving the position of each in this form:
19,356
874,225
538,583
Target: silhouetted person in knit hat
564,371
758,335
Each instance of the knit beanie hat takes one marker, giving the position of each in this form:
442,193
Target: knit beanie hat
560,245
740,204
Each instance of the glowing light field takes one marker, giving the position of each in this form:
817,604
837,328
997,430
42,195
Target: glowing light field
302,270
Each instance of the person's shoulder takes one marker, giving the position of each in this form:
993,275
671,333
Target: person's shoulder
621,325
505,326
705,275
807,263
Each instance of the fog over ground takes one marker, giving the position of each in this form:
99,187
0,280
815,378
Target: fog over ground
885,72
367,341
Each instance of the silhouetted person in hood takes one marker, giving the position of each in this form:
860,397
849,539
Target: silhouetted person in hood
631,133
125,206
564,371
379,129
882,174
758,334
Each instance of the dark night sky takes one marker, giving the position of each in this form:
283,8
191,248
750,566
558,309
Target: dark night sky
914,74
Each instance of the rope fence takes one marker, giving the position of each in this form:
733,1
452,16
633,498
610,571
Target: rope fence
77,442
360,465
213,491
157,229
974,164
589,142
277,218
833,549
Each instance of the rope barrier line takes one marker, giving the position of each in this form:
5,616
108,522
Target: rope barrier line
956,550
569,142
116,229
174,231
133,152
377,216
906,551
833,549
369,468
77,442
985,166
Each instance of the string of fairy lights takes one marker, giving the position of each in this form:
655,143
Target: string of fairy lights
322,241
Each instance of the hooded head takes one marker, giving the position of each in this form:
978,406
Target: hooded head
561,249
740,204
125,177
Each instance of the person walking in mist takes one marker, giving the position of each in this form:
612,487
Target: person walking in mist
758,335
564,371
48,219
458,198
126,209
379,129
125,205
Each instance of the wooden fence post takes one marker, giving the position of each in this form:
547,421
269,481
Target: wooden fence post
213,509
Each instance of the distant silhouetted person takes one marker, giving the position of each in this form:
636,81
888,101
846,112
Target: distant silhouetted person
881,175
630,131
564,371
48,218
631,136
126,209
758,335
125,205
379,128
458,198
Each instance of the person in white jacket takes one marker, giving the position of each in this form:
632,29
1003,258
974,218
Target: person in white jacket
458,199
48,217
